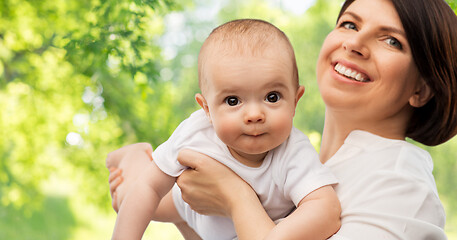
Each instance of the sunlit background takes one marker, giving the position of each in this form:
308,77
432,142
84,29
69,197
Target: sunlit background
80,78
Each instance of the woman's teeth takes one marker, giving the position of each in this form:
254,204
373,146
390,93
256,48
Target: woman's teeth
360,77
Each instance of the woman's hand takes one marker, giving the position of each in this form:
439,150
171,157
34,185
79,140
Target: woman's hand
209,187
115,179
124,165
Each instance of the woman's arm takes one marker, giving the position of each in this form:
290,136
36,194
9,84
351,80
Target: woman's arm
187,232
211,188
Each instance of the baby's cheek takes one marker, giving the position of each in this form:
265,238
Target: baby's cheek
225,131
282,126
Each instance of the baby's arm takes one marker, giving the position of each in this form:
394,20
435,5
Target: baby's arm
209,187
317,217
141,203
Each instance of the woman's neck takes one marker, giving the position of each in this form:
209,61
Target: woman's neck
337,127
333,137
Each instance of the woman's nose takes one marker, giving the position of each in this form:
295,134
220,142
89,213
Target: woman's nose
356,45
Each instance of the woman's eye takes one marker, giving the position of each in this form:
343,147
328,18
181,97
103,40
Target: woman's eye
232,101
272,97
349,25
394,42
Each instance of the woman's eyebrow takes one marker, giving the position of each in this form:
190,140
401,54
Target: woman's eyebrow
393,30
383,28
354,15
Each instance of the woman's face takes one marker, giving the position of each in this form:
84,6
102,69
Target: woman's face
365,68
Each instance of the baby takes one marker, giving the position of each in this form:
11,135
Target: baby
249,91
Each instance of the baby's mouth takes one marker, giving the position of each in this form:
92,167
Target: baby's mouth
350,73
255,134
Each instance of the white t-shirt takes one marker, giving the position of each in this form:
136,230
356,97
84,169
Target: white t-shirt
386,189
287,174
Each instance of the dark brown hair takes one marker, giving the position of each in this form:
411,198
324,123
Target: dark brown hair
431,30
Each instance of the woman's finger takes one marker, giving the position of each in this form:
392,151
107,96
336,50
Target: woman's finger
114,201
114,173
114,184
193,159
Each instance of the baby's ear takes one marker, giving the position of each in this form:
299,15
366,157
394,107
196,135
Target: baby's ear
203,104
299,94
422,94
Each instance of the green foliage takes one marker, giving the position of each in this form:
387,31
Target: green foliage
41,224
445,160
77,79
453,4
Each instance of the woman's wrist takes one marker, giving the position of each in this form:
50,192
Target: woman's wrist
239,197
250,219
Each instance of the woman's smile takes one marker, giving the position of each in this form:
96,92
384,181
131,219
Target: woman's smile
351,73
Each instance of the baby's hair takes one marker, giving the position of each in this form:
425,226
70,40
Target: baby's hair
246,37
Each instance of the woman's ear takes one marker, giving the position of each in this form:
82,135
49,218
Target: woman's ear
203,104
422,94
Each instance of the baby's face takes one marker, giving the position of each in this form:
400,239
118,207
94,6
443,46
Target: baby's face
251,103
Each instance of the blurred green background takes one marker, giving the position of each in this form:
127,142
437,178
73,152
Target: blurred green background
80,78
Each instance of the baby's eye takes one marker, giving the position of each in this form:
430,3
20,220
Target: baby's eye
272,97
349,25
232,100
394,42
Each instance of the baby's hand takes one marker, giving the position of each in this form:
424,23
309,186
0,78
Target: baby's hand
114,180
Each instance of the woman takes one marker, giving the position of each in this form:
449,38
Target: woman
386,72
